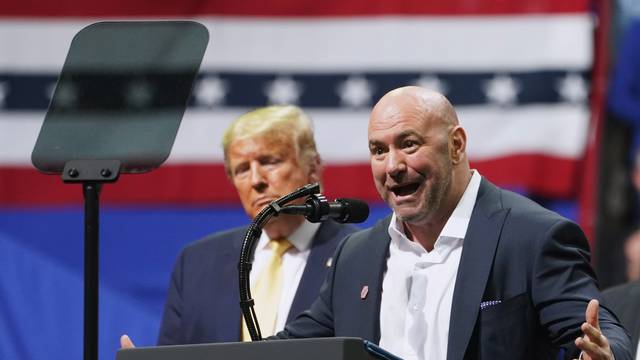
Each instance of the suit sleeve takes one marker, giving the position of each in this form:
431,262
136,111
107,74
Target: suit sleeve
563,284
318,320
170,327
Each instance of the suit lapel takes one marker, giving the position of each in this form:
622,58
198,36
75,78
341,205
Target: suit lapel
315,269
635,335
376,255
228,314
478,252
634,299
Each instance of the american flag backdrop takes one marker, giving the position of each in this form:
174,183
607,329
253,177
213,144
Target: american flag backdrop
518,73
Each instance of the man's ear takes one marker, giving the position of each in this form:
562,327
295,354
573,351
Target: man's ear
458,144
315,169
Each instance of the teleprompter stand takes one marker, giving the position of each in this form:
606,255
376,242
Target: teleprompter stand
116,110
91,174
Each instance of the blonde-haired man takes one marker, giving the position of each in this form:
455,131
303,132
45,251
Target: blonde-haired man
268,152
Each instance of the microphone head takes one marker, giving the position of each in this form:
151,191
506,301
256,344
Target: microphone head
354,211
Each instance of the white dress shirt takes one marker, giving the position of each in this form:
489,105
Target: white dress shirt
417,289
638,351
293,264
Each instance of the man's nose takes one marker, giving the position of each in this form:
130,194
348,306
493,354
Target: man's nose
396,163
258,179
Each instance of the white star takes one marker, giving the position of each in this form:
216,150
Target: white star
432,83
283,90
66,94
210,91
573,88
355,92
4,90
502,90
139,94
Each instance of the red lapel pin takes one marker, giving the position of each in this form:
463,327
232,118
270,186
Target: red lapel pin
364,292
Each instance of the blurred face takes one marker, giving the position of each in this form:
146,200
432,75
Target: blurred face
632,254
410,161
263,170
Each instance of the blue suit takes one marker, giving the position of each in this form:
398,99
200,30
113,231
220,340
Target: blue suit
624,300
203,299
624,96
531,259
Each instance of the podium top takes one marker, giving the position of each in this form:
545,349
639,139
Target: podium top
339,348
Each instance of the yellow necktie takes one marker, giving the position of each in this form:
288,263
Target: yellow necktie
267,291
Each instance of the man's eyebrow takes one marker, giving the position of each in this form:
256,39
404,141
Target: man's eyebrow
239,163
408,133
400,136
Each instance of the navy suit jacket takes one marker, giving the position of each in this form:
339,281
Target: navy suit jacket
624,300
203,303
531,259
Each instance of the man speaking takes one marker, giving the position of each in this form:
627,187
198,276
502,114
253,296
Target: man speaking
461,269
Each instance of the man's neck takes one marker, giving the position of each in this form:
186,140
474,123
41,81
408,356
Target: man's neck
283,226
426,232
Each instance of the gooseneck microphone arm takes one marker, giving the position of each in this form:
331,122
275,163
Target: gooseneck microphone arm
248,247
315,208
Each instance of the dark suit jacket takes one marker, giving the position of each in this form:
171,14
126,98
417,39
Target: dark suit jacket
203,303
533,260
624,300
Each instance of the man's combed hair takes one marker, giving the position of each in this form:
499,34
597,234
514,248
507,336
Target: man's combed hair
278,123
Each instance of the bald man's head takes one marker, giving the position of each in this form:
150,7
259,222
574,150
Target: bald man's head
423,102
418,153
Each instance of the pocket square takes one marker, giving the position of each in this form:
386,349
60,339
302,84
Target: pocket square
486,304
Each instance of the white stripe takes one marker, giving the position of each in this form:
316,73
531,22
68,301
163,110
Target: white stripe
416,43
557,130
18,134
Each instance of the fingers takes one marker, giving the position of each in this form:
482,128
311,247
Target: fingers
592,313
593,350
594,335
593,344
126,343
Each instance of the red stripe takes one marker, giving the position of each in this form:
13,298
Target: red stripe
589,185
83,8
535,174
541,175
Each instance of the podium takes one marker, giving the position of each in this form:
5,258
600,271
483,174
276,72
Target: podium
338,348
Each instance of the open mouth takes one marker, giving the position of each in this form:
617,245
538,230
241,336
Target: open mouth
404,190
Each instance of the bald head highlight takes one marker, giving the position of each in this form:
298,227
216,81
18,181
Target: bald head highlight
428,103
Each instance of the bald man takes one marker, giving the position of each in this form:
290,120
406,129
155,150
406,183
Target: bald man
461,269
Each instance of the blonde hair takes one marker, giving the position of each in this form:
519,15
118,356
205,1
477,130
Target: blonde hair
286,124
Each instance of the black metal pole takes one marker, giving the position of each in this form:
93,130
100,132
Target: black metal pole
91,192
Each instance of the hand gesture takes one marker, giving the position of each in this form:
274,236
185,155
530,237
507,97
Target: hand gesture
126,343
594,344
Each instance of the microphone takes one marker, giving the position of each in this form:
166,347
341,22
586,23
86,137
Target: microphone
317,208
